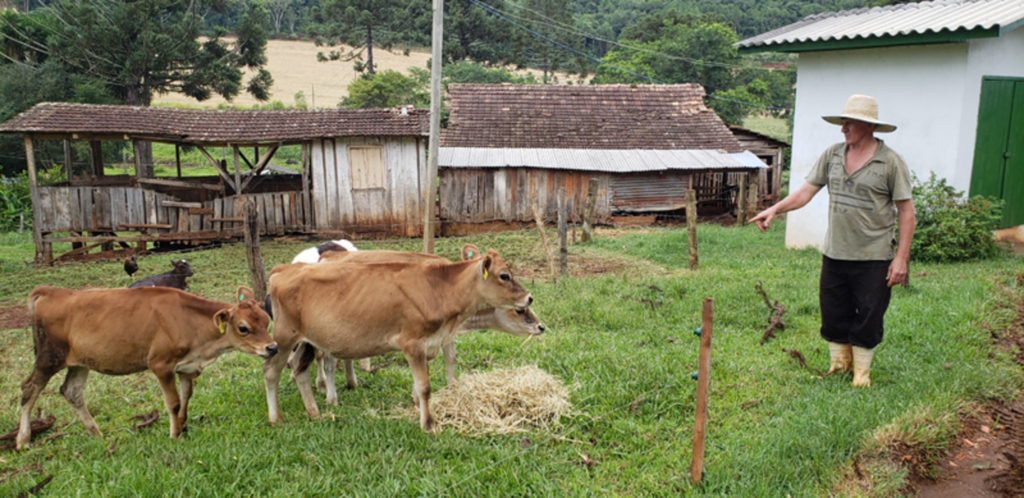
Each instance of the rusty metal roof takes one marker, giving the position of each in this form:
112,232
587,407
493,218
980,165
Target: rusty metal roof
925,22
603,160
207,126
584,117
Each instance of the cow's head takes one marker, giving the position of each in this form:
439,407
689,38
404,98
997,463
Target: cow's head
498,287
519,322
245,325
182,268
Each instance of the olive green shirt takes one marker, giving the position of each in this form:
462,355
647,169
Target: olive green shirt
861,209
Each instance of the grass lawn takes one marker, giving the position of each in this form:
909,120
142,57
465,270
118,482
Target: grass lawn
774,428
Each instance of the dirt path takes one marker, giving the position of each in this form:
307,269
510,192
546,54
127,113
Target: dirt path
14,317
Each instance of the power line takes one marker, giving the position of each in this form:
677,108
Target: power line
605,63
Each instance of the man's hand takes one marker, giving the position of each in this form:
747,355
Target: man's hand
897,272
764,218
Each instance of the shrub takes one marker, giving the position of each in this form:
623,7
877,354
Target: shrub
951,227
15,200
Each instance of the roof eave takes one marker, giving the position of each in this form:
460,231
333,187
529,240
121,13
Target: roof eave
957,36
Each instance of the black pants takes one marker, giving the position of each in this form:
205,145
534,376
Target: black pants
853,296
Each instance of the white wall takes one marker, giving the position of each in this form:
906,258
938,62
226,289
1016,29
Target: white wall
1003,56
919,89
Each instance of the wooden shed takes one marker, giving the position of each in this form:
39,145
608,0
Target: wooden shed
509,147
360,173
769,151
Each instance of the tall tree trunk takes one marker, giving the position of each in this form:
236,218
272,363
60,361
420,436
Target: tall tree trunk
369,50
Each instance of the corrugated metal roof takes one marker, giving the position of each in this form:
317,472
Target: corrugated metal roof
604,160
939,16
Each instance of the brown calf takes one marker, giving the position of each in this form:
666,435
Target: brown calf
123,331
352,311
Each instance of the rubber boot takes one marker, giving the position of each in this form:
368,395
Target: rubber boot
841,356
862,366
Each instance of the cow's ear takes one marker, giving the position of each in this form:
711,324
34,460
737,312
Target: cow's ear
486,262
245,294
221,320
470,251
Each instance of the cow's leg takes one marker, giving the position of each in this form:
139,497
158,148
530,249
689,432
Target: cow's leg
185,382
321,371
286,339
329,364
171,399
448,349
30,390
364,365
302,381
350,374
417,357
74,391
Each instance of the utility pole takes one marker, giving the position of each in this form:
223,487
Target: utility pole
430,188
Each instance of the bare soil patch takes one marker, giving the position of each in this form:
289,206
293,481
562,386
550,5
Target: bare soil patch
14,317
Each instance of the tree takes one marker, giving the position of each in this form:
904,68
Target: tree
279,10
673,48
388,89
361,24
146,47
552,26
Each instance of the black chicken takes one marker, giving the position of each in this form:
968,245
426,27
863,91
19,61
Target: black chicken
130,266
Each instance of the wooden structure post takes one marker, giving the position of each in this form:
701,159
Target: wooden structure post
430,188
37,236
305,185
741,199
97,158
691,226
703,381
588,214
753,190
137,149
563,215
257,273
68,161
539,220
177,158
238,172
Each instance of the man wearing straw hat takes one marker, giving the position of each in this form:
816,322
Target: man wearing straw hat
869,194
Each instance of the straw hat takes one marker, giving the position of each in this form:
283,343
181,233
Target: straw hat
861,108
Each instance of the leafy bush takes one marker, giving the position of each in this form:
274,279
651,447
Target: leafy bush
951,227
15,200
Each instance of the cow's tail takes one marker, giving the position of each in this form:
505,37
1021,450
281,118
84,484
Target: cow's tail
38,332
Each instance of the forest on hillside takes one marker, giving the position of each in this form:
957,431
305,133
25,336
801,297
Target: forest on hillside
121,52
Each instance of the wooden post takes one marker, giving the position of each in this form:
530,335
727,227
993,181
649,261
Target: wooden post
37,235
97,158
753,191
238,172
741,200
588,214
691,225
140,172
563,215
257,273
177,158
68,161
703,381
308,221
539,220
430,188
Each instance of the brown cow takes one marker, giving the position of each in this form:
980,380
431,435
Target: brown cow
355,311
516,322
123,331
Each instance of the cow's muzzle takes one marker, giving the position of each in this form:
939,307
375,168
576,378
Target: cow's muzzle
270,351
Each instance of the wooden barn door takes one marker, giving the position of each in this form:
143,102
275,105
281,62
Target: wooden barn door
999,146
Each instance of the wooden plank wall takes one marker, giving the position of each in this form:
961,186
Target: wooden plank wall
480,195
106,209
396,209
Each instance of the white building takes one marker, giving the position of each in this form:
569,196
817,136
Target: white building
948,73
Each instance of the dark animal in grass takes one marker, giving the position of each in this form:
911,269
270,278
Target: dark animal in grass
174,278
130,265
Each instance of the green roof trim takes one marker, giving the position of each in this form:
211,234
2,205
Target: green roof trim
958,36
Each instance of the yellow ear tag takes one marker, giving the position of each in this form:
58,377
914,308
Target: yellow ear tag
220,325
485,273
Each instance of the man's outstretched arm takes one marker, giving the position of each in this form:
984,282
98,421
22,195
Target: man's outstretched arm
793,201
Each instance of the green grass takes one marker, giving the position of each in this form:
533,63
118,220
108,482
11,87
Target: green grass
774,429
770,126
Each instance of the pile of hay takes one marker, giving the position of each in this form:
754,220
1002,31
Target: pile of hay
500,402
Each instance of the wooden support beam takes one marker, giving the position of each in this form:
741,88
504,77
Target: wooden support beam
37,234
97,158
140,172
220,170
181,184
68,161
143,225
179,204
588,214
691,226
306,203
261,164
238,171
703,383
177,158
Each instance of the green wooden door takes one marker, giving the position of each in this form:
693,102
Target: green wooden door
999,146
998,152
